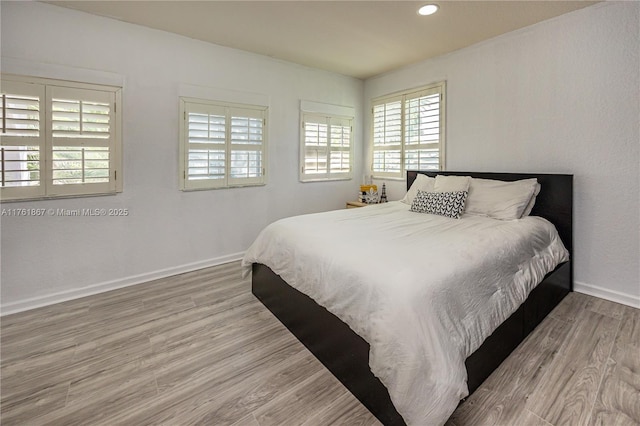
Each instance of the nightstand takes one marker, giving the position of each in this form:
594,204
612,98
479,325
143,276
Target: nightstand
355,204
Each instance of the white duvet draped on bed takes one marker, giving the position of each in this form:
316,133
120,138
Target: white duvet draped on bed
424,291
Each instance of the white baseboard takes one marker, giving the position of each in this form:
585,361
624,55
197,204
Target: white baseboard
63,296
604,293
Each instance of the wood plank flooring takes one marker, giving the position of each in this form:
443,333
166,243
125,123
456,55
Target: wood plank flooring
198,348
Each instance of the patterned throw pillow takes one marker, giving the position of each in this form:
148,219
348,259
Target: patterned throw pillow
450,204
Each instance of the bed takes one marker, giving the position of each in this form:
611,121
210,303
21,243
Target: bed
346,354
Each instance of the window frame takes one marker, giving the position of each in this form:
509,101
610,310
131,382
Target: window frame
403,97
188,104
330,115
46,89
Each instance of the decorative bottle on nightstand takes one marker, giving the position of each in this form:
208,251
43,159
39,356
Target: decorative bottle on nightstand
383,196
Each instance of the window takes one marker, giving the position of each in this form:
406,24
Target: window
221,145
408,132
58,139
326,145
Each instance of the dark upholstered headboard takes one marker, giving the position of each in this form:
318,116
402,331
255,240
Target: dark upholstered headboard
554,203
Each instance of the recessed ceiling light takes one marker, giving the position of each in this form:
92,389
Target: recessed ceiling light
428,9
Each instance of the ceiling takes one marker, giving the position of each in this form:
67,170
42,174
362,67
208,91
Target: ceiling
356,38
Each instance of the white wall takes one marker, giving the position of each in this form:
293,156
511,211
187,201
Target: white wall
47,259
561,96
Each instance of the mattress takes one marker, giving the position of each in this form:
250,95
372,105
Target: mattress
423,290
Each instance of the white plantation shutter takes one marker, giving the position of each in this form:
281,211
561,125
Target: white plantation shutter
222,145
246,146
206,146
83,143
22,140
316,145
58,138
387,138
422,130
340,146
408,132
326,147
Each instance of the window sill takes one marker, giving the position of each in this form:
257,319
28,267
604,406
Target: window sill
222,187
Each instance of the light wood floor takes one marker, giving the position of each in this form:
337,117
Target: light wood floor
198,348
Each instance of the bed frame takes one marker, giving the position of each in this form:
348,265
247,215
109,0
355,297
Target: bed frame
346,354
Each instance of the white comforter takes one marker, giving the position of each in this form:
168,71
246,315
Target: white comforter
424,291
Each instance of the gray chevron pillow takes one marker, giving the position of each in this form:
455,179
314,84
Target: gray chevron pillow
449,204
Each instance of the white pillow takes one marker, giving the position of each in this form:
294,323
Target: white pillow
499,199
422,183
451,183
532,202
